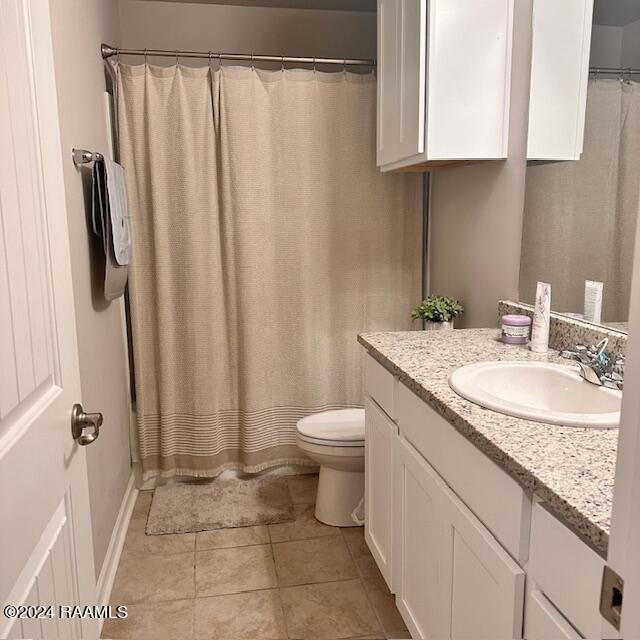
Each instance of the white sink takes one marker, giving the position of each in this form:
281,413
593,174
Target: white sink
540,391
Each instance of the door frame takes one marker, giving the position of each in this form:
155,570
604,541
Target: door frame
624,550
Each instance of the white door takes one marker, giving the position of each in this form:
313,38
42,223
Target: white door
380,433
45,533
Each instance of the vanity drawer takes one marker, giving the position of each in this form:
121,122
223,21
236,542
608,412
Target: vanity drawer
568,572
493,496
381,385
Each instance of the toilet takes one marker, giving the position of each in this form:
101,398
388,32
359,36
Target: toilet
335,440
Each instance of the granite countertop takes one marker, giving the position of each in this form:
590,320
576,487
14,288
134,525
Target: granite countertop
571,469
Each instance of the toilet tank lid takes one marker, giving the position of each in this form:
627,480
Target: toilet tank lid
342,424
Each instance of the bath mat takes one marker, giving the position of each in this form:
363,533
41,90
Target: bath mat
219,504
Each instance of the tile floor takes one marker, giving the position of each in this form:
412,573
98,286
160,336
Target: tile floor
301,579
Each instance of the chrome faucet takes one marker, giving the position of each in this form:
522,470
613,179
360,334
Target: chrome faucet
597,365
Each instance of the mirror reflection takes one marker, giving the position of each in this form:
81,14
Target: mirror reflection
580,215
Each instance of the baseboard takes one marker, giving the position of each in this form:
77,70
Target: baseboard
114,551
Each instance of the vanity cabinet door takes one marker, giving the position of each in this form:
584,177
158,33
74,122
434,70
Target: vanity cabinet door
542,621
453,579
422,568
487,586
380,433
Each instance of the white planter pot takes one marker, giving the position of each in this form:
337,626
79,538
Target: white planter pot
429,325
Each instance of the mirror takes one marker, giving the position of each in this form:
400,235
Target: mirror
580,215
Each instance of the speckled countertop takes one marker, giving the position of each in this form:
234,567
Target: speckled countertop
571,468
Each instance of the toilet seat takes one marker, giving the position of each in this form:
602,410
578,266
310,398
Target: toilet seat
339,428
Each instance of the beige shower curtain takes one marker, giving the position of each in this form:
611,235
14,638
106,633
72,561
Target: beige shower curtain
264,240
580,217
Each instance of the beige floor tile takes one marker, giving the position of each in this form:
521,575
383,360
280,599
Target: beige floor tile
236,537
303,488
158,621
146,577
316,560
223,571
255,615
366,565
305,526
330,610
137,540
143,504
384,604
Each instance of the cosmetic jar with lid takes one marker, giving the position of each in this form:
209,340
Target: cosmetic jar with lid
515,329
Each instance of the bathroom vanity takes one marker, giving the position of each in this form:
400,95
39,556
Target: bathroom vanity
482,524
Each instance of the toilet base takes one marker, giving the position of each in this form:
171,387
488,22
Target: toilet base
339,493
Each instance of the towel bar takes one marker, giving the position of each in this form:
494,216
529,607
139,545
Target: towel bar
82,156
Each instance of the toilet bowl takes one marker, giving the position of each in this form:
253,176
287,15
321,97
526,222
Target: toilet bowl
335,440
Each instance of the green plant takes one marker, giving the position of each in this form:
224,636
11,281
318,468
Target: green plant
437,309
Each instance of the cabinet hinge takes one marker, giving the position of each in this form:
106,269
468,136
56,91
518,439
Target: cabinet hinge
611,597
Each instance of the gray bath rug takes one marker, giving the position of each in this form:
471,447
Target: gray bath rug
219,504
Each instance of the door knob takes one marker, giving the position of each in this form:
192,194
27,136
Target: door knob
81,421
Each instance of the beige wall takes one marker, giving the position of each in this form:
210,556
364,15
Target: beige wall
204,27
78,28
476,211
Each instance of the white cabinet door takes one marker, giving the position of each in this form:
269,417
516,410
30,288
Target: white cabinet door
453,579
380,432
422,571
542,621
559,78
487,586
469,74
388,119
402,34
444,78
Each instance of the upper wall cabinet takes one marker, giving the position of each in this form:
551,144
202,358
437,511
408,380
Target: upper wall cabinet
559,77
444,74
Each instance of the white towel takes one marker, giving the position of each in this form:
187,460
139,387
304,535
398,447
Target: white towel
118,212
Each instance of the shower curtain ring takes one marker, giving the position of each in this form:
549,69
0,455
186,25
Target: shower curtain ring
252,67
282,63
177,59
145,56
344,66
220,58
314,65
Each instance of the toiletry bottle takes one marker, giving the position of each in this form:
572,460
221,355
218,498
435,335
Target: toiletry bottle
541,319
593,300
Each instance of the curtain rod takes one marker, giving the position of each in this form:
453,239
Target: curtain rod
109,51
618,70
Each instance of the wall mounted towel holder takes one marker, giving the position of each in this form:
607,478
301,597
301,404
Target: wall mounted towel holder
82,156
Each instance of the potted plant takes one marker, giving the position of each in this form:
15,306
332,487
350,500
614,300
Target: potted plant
437,312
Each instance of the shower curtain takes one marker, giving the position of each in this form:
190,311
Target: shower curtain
264,240
580,217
